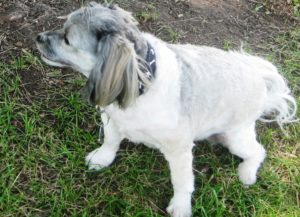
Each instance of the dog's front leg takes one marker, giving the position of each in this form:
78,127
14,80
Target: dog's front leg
105,155
181,166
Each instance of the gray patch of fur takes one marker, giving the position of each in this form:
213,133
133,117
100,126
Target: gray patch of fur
186,89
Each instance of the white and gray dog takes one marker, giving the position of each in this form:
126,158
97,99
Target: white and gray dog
168,96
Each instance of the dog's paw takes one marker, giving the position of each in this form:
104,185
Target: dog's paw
180,206
99,158
247,173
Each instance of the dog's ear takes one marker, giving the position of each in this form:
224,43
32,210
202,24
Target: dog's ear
116,75
108,5
92,4
111,6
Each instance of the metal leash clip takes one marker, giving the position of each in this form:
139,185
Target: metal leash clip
101,125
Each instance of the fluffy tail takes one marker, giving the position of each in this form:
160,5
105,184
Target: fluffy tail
280,106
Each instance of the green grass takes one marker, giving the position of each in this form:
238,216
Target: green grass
149,14
296,8
169,34
267,6
45,136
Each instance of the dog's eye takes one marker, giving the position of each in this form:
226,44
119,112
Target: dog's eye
66,40
99,35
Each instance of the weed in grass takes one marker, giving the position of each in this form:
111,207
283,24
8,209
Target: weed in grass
227,45
146,16
18,63
291,7
149,14
171,35
296,7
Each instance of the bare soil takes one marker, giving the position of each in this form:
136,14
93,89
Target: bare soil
202,22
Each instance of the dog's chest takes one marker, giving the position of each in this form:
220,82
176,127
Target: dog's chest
145,124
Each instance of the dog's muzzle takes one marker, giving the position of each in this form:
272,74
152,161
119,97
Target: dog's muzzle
40,38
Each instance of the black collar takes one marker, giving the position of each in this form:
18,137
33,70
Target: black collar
150,68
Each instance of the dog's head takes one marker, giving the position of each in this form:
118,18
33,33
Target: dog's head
105,44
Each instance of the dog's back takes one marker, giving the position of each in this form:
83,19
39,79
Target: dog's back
231,89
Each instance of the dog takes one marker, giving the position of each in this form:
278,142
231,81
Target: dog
167,96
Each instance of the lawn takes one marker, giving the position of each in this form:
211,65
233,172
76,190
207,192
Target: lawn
46,130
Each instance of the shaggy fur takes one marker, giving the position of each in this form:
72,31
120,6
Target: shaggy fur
198,93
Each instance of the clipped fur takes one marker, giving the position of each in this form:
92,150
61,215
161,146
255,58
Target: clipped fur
198,93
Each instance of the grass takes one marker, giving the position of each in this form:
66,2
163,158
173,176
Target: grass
46,132
169,34
296,7
292,7
149,14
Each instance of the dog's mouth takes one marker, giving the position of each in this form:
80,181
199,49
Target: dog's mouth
44,51
52,62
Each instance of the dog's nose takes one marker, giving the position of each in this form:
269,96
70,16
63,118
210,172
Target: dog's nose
40,38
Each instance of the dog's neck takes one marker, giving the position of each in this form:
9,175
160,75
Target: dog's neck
145,50
141,47
150,69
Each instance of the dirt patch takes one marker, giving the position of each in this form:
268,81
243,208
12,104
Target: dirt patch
203,22
22,20
203,3
209,22
29,79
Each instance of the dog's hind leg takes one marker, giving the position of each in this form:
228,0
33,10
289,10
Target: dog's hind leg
180,161
243,144
105,155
